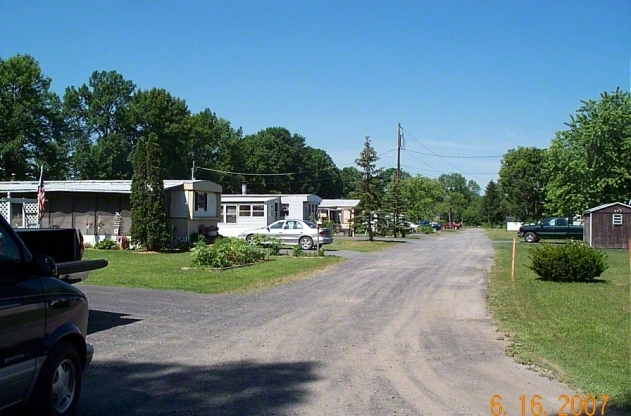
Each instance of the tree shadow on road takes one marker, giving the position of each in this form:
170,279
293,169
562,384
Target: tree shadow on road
237,388
101,320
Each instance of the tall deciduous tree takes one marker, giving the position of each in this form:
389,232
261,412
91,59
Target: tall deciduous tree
590,163
424,196
351,178
522,179
369,204
32,130
149,221
157,111
271,152
98,118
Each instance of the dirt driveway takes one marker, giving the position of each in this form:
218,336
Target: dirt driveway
403,331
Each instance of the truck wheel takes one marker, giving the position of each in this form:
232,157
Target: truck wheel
59,384
306,243
530,237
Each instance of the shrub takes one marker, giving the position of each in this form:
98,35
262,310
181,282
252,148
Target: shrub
273,244
226,252
426,229
106,245
296,251
569,262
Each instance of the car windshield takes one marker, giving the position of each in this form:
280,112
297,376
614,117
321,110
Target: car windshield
309,224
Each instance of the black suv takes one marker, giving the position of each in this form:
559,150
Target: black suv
43,326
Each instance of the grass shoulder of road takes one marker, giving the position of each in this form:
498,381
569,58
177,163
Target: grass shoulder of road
173,271
360,244
578,332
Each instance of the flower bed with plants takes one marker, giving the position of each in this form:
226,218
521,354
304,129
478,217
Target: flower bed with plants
226,253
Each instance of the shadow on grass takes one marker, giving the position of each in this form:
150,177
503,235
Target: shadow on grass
101,321
596,281
235,388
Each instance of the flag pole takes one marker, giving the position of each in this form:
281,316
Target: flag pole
40,197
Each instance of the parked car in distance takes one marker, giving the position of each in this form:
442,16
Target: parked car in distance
436,226
452,226
43,328
304,233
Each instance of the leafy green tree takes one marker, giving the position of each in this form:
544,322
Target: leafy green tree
157,111
214,145
522,179
590,163
491,205
351,179
369,204
273,151
149,220
100,130
319,174
32,129
458,196
424,196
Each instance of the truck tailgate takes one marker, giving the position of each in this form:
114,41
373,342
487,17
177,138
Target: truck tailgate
76,271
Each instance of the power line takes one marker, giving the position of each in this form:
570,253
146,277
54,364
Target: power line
425,163
455,157
280,174
441,158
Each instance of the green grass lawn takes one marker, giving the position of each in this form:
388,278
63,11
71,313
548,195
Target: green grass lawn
171,271
578,331
361,245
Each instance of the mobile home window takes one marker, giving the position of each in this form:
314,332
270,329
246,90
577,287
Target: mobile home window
258,210
231,214
201,203
617,219
245,211
284,213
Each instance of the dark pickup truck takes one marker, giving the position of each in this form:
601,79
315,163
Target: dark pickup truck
551,228
65,246
43,328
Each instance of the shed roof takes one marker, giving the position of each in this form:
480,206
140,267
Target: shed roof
599,207
335,203
106,186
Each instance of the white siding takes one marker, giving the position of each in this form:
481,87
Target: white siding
211,205
246,223
178,206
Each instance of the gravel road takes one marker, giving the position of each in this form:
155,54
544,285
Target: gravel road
404,331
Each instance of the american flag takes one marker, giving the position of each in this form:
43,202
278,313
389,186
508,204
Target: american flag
41,193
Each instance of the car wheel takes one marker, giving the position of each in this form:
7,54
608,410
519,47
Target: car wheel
249,238
306,243
530,237
59,384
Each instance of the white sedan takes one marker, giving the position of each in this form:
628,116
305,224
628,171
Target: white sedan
293,232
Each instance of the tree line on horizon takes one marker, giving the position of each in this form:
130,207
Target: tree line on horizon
93,131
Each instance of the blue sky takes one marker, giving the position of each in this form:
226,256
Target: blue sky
463,78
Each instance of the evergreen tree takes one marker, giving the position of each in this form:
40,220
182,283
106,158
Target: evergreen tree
139,194
491,207
394,204
369,196
149,220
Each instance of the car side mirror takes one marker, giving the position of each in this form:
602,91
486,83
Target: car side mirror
44,265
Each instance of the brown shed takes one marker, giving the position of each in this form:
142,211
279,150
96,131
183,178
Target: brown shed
608,226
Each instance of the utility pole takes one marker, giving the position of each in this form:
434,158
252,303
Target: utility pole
397,183
193,171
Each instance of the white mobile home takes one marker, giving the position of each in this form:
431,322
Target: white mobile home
241,212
